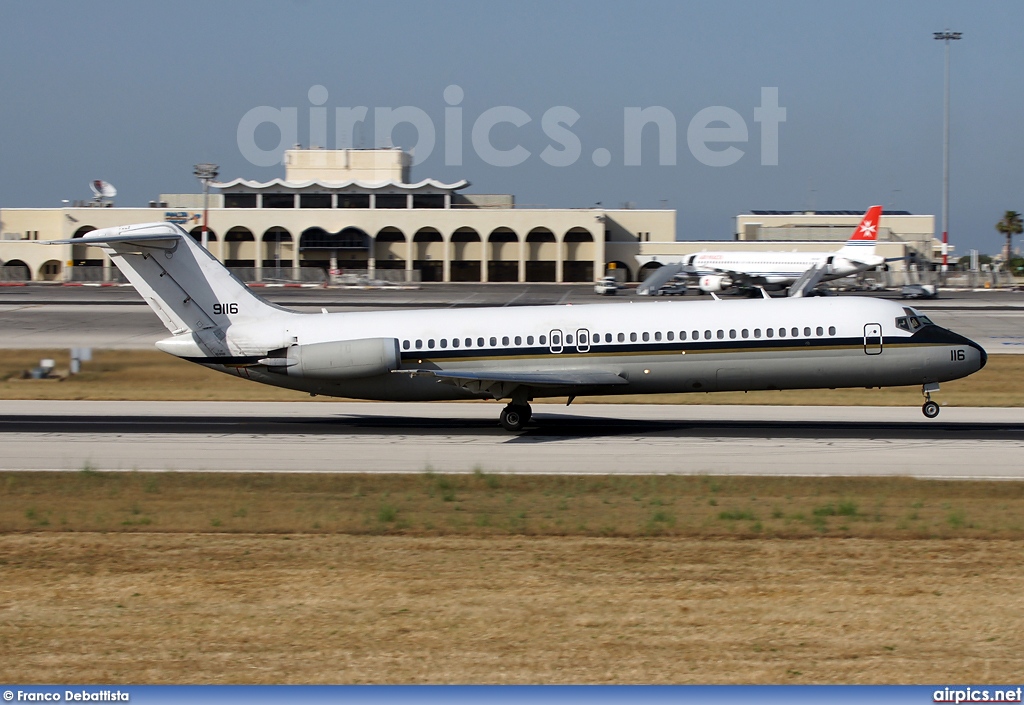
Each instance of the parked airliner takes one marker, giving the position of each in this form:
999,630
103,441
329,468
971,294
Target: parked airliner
529,352
718,271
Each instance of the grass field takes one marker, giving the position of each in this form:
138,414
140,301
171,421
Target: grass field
483,505
152,375
192,578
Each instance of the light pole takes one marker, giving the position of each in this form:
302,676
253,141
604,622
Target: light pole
946,37
205,173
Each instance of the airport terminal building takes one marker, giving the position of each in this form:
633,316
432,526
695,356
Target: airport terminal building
354,211
358,211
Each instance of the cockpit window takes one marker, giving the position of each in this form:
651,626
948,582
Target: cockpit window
912,323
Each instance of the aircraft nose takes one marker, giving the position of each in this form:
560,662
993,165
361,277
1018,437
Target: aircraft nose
982,353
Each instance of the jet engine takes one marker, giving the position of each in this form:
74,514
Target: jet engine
714,282
342,359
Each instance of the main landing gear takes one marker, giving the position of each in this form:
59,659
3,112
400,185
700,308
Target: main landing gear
515,416
930,409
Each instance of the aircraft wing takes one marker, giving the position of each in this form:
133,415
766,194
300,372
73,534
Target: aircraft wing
738,278
500,383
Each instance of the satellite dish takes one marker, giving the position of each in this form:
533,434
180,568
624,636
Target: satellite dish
102,189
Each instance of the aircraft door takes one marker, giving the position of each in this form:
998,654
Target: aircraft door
583,340
555,341
873,339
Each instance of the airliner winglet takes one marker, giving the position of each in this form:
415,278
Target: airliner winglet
530,352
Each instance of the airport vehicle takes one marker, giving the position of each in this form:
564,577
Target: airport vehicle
608,286
673,287
524,353
919,291
719,271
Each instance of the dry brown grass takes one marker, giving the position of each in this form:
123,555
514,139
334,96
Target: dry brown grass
202,608
510,505
147,375
221,578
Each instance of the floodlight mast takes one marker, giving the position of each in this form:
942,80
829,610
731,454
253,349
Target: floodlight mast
946,36
205,173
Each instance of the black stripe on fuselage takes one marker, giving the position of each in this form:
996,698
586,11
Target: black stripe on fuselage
227,360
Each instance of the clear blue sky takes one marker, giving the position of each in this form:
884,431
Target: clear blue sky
137,92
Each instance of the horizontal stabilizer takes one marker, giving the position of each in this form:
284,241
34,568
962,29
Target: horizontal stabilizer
150,236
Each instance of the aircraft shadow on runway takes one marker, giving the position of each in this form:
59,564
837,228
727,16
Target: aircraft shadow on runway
545,427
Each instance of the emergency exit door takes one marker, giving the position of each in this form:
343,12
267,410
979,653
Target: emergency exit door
873,339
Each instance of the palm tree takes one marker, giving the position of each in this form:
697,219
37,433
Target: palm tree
1009,226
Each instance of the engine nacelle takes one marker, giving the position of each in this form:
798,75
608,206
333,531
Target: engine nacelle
343,359
714,282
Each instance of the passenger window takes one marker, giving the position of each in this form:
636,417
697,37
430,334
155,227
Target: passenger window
670,335
819,331
556,340
732,333
568,339
419,344
529,340
745,333
622,337
657,335
720,334
707,335
430,343
770,332
519,340
469,342
782,332
696,335
647,336
405,345
795,332
543,340
504,340
831,330
479,342
607,337
632,337
444,342
494,342
682,335
455,342
757,332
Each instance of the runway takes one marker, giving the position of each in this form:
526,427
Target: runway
462,437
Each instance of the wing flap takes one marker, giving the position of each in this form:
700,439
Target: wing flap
560,378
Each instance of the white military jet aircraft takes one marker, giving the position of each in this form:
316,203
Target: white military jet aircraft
529,352
718,271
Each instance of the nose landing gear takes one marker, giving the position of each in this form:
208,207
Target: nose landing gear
930,409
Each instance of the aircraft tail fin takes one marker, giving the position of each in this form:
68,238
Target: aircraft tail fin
185,285
862,243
